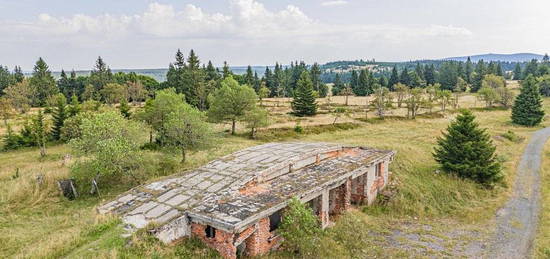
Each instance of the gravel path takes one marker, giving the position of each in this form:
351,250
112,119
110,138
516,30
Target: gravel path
516,222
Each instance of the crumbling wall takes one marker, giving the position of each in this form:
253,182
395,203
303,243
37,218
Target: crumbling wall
340,198
260,242
222,242
358,193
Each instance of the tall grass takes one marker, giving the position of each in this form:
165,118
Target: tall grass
36,222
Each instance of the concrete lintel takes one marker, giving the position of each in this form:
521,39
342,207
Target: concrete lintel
205,220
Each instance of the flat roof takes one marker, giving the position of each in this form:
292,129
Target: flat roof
232,191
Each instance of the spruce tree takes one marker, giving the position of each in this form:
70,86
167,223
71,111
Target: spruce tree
304,103
59,116
477,79
249,77
467,151
124,108
338,85
468,70
42,83
517,72
18,74
394,78
74,107
405,77
40,132
527,110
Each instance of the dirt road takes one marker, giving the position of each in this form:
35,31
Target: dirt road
516,222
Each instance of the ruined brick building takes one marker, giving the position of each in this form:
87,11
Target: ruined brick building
235,203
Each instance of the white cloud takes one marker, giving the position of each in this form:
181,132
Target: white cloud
247,19
249,33
334,3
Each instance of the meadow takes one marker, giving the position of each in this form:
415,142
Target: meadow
36,221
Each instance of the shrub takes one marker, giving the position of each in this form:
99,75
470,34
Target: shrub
510,135
110,144
71,126
300,229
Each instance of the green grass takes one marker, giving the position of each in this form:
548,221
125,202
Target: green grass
36,222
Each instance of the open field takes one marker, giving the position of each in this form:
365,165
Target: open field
37,222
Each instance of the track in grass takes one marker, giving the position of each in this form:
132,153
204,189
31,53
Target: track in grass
517,220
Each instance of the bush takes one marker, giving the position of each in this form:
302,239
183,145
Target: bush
110,144
300,229
298,129
71,126
24,138
510,135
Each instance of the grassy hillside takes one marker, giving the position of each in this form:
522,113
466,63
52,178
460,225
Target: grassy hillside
37,222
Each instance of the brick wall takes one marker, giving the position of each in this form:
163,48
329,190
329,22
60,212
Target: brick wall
340,198
259,242
222,242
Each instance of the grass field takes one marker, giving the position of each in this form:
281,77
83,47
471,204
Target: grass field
37,222
542,243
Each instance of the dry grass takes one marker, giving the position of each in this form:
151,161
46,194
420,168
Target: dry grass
37,222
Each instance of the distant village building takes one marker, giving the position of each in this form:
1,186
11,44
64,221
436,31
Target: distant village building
235,204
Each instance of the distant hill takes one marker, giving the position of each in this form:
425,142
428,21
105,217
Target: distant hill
160,73
518,57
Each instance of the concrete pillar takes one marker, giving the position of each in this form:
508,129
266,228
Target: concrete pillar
324,209
346,194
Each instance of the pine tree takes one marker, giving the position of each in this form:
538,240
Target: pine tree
517,72
338,85
59,116
480,72
405,77
468,70
226,70
394,78
74,107
101,75
249,77
467,151
527,110
361,89
40,132
354,80
124,108
211,72
304,103
18,74
316,78
429,74
531,68
42,83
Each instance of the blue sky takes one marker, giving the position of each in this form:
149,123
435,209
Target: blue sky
146,33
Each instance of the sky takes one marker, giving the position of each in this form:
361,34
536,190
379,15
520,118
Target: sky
71,34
